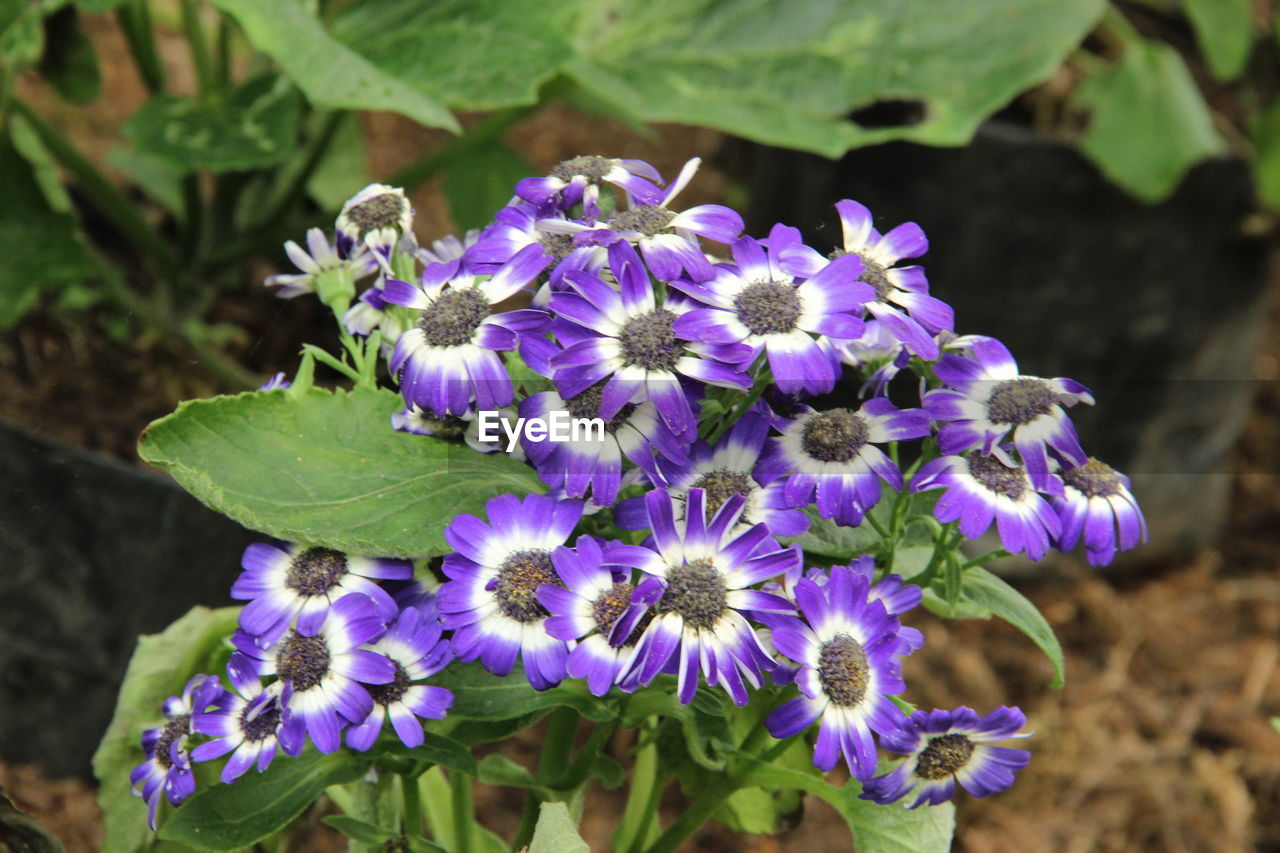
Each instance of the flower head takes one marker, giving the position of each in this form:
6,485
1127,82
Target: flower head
375,217
250,723
320,267
1097,505
167,768
577,181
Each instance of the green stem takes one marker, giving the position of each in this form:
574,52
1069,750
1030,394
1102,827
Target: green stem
556,747
630,833
698,813
329,360
463,815
412,805
316,147
997,554
206,79
223,48
135,20
580,769
486,131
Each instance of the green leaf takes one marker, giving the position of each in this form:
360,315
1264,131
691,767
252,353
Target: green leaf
1224,31
359,830
155,176
233,817
556,831
435,749
1266,159
832,540
159,668
332,75
325,468
480,695
22,32
986,590
1149,123
69,61
257,125
495,769
962,609
343,169
480,181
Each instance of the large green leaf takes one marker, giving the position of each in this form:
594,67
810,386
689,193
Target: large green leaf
480,181
326,468
256,125
986,590
159,668
1224,30
1149,123
343,169
556,831
331,74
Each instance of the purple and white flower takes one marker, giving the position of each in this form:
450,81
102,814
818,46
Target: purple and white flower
1097,504
375,218
946,747
875,346
167,769
251,723
319,259
577,181
518,227
891,591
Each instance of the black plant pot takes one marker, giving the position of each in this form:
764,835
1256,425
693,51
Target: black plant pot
93,552
1159,309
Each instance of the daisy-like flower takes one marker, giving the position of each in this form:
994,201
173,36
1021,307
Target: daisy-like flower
375,217
891,591
167,769
945,747
705,572
847,648
451,355
591,465
875,346
981,489
324,673
754,302
668,240
1097,502
491,600
414,646
464,428
250,723
832,455
320,267
596,609
902,301
991,400
517,227
578,180
448,248
628,341
289,582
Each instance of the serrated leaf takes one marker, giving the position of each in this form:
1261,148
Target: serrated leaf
159,668
69,61
1148,121
480,695
556,831
325,468
480,181
984,589
329,73
1224,31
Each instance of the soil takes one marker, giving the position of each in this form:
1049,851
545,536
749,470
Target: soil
1159,741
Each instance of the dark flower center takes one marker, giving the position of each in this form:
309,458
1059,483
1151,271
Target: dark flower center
262,726
943,756
385,694
996,476
1094,479
557,246
648,219
174,730
843,671
650,342
590,166
696,591
448,428
587,405
610,605
381,211
837,435
638,630
316,571
768,307
454,317
519,577
302,660
1020,401
722,484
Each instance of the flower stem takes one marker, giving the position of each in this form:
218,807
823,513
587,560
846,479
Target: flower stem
463,816
631,832
200,59
135,20
412,805
556,747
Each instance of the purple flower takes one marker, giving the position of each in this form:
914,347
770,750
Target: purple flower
320,258
832,455
627,341
451,354
323,673
757,304
491,600
945,747
980,489
891,591
577,181
876,346
1097,503
167,768
991,399
518,227
705,572
291,582
847,648
901,300
251,722
414,646
375,218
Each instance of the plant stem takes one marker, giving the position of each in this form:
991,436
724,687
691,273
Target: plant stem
486,131
135,20
412,805
223,46
630,833
551,766
316,147
206,80
698,813
463,816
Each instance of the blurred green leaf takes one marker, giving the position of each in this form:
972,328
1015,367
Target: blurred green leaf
22,31
357,829
156,177
343,170
1149,123
1266,157
69,61
1224,31
99,5
331,75
556,831
982,588
257,125
480,181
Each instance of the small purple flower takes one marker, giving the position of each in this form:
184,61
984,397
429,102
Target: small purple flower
981,489
324,672
518,227
320,258
491,600
832,455
705,572
1097,503
291,582
167,769
946,747
876,346
276,383
847,648
991,399
891,591
414,646
251,723
375,217
577,181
